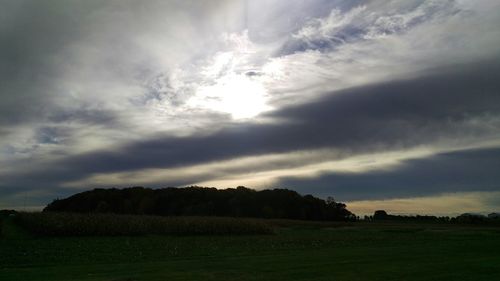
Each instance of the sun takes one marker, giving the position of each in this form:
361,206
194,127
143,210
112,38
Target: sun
232,81
241,96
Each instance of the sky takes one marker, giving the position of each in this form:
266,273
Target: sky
381,104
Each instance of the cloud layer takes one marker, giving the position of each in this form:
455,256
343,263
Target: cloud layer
299,96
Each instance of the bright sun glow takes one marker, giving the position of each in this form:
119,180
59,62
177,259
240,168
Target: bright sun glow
227,88
237,95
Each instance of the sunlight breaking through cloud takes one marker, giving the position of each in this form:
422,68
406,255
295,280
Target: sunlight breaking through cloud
295,94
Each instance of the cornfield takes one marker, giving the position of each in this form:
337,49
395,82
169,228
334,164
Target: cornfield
72,224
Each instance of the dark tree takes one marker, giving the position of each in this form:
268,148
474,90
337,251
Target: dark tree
380,215
200,201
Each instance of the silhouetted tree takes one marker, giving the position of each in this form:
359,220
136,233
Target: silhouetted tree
380,215
200,201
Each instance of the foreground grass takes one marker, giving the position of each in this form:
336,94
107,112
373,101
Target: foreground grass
297,252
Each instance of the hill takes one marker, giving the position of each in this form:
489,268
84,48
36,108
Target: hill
201,201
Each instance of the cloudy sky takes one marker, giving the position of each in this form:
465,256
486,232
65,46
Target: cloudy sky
381,104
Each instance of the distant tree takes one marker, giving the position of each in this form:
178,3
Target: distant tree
330,200
380,215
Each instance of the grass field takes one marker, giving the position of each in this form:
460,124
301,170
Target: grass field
298,251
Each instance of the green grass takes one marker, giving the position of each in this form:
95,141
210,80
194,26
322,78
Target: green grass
298,251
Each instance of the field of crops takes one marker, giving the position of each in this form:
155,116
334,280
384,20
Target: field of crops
296,251
72,224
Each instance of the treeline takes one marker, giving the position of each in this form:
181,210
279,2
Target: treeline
381,215
466,218
201,201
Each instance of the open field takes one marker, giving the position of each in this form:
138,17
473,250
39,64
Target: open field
298,251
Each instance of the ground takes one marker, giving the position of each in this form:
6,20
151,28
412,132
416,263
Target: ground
358,251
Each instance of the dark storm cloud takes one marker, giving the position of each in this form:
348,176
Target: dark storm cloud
394,115
472,170
440,97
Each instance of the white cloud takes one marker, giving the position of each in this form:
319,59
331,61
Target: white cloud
380,42
185,68
163,67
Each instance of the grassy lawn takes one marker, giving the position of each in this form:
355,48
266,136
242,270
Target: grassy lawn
296,252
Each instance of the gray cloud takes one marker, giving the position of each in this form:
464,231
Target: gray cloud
85,116
403,113
463,171
64,58
460,105
30,43
18,197
80,65
92,87
51,135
